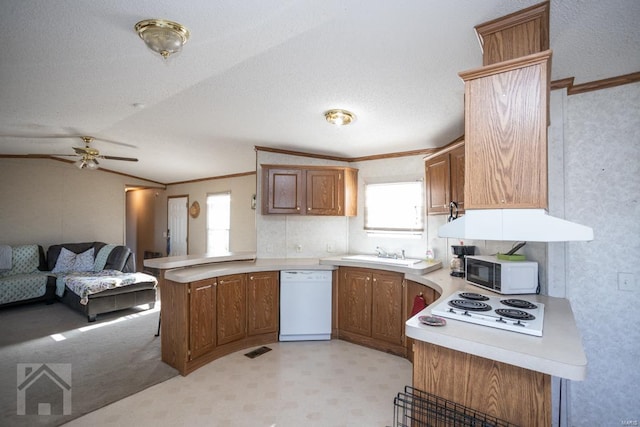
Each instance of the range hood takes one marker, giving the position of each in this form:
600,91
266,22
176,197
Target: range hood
531,225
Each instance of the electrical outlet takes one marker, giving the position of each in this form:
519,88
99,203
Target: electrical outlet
298,247
627,282
330,247
269,248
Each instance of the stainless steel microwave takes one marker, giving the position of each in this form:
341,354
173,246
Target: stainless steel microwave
505,277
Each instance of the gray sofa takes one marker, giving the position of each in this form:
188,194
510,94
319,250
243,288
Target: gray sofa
35,277
118,298
27,280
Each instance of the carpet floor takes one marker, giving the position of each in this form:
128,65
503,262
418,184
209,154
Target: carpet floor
93,364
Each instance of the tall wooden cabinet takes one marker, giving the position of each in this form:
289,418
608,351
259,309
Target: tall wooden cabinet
370,308
308,190
207,319
444,180
506,118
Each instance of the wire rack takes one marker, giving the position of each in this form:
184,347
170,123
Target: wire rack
417,408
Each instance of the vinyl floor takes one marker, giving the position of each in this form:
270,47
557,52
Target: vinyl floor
315,383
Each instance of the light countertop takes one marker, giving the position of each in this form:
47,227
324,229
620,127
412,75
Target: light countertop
166,263
207,271
559,352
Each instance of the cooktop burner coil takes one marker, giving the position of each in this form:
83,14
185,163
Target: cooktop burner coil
465,304
473,296
514,314
519,303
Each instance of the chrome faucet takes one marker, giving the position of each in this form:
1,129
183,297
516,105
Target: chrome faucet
384,254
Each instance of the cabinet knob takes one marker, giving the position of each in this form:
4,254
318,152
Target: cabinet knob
297,208
250,277
308,209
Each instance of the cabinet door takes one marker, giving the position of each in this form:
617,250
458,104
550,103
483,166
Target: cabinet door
283,191
262,302
437,171
354,301
231,308
456,160
506,107
202,313
325,192
387,313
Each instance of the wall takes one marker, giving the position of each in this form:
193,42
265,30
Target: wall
602,167
50,202
243,218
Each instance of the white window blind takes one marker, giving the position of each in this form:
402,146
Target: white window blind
218,222
394,207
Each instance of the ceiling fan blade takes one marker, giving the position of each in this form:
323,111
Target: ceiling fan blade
46,156
128,159
80,150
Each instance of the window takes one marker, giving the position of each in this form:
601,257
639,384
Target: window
394,207
218,222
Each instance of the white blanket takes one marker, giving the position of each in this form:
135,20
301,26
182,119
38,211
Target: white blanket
6,254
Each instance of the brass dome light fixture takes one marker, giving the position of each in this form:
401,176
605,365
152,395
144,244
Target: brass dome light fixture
162,36
339,117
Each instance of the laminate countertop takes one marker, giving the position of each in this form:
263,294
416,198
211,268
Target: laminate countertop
558,352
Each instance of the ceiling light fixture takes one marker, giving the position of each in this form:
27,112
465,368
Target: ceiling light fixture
87,163
162,36
340,117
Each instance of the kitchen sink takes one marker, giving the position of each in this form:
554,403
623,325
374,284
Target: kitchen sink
407,262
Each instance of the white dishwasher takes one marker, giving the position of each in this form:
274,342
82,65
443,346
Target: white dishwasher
305,305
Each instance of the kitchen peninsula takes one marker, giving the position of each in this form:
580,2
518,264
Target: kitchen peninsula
505,374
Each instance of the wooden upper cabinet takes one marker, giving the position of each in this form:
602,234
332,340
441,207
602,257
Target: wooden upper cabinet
512,36
444,180
308,190
506,119
283,190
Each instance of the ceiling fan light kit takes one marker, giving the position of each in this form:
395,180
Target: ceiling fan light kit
339,117
162,36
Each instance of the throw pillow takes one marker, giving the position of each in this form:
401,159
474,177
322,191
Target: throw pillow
69,261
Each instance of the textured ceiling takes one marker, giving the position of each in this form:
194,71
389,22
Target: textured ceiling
259,72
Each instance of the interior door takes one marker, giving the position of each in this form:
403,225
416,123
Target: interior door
177,225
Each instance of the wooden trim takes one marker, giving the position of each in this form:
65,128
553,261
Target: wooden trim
595,85
459,142
501,67
425,151
538,11
233,175
48,157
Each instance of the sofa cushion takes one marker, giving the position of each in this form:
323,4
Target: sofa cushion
70,261
21,287
25,260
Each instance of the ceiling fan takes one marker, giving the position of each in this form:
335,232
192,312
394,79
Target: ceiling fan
88,156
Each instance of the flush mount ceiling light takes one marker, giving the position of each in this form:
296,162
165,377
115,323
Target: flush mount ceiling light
161,36
339,117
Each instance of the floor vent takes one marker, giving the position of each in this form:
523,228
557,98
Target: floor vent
257,352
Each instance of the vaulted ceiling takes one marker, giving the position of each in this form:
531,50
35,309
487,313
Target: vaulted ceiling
262,72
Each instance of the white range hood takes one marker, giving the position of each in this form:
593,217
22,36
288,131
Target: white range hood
531,225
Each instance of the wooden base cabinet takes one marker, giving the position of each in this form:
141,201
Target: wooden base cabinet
517,395
414,289
208,319
370,309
